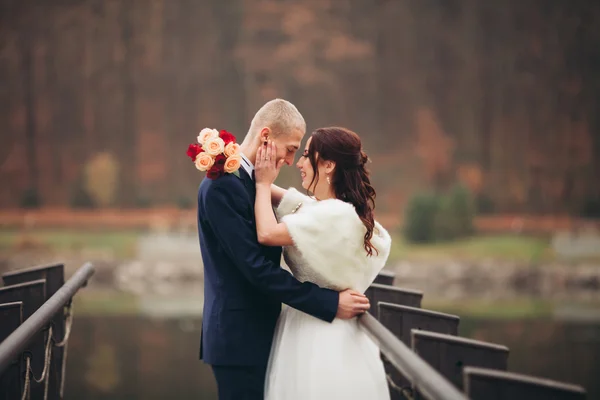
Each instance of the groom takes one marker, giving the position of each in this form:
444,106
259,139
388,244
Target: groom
244,285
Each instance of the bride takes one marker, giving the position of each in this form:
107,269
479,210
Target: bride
332,240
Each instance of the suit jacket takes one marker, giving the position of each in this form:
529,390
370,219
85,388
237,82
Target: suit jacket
244,284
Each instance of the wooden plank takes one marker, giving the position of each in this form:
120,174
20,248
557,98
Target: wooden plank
401,320
54,274
32,294
450,354
11,316
390,294
489,384
385,278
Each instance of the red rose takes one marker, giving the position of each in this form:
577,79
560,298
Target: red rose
215,172
220,160
227,137
193,150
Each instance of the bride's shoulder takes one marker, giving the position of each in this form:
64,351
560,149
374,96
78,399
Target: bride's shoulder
292,201
333,213
327,215
334,208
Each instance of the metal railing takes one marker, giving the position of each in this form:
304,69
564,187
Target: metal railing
426,380
17,341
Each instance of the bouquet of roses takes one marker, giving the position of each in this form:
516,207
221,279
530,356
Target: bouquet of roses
216,152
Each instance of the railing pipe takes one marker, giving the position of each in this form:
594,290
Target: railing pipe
20,338
425,379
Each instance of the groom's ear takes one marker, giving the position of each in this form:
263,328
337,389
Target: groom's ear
265,134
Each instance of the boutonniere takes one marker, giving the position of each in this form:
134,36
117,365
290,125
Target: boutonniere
216,153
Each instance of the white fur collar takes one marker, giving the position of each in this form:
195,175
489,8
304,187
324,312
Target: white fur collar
328,235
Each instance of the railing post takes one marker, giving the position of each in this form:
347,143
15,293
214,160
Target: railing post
32,295
11,315
428,381
385,278
55,277
38,314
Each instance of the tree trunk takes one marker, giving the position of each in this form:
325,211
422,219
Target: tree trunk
28,79
128,184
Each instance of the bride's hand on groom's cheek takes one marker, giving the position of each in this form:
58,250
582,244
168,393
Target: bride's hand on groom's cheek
267,168
351,304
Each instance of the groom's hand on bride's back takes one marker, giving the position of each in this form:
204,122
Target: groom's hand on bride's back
351,304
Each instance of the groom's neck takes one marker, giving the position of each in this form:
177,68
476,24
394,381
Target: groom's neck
249,151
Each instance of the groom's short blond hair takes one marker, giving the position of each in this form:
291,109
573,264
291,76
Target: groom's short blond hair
281,116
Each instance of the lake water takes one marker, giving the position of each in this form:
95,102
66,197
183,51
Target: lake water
141,357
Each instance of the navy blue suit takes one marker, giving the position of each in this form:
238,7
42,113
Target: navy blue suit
244,287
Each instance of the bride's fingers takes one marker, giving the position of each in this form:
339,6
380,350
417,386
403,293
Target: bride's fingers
259,155
361,308
269,152
359,297
360,300
268,155
265,152
274,153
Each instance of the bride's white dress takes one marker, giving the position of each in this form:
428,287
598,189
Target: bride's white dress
312,359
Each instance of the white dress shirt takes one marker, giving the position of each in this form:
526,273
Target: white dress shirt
248,166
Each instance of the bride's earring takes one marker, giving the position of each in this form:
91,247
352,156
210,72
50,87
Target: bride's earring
328,180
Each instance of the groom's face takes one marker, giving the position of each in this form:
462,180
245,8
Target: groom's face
287,145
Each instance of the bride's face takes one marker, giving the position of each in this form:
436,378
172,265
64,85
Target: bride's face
307,172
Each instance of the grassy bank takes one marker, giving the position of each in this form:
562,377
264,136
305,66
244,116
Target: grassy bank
105,302
122,244
502,247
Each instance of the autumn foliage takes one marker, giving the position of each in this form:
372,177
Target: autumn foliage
502,97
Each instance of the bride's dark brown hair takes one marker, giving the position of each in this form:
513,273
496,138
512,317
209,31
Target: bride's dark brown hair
350,178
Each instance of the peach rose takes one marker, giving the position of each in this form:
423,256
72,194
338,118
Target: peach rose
206,134
214,146
231,149
204,161
232,163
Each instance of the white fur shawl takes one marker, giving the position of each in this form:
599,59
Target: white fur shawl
328,237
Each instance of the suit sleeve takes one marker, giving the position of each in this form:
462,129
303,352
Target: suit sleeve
226,212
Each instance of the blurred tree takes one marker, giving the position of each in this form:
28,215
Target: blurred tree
30,198
440,216
127,52
80,198
26,32
419,218
102,174
434,147
290,45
